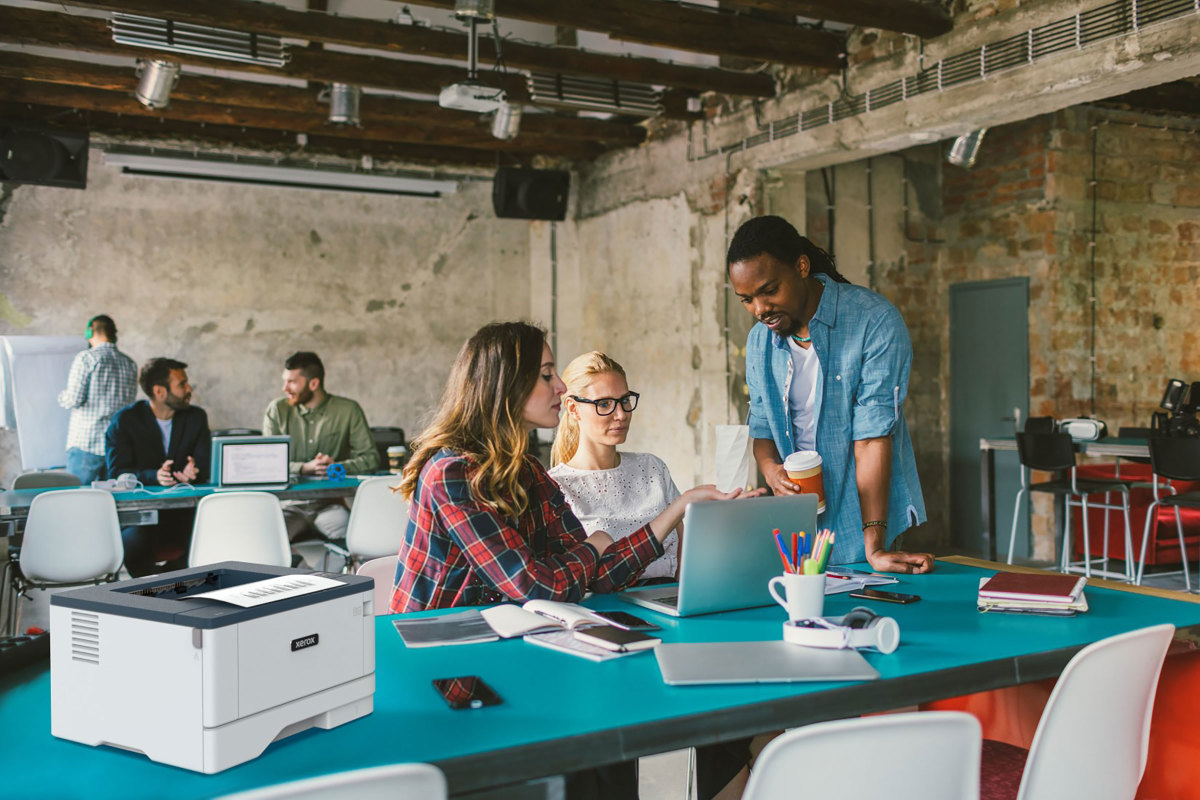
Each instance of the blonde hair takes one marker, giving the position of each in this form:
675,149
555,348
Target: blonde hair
482,414
578,376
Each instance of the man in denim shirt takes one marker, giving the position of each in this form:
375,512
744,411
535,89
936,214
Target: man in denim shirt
827,366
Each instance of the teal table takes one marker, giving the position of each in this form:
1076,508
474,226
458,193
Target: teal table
561,713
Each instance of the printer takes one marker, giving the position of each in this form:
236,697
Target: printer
152,665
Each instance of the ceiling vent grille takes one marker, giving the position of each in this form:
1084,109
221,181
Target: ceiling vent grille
179,37
594,94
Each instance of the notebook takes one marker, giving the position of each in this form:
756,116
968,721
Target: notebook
248,463
1043,587
758,662
728,554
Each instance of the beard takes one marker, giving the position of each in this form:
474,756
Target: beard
176,403
300,399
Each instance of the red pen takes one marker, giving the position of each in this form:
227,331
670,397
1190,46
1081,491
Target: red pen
795,551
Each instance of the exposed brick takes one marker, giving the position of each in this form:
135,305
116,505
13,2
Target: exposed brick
1187,194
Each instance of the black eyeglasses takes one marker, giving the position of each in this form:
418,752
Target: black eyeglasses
607,405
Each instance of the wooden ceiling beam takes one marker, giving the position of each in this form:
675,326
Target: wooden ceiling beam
682,27
357,32
376,110
918,17
25,91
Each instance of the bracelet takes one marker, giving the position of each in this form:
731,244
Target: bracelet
875,523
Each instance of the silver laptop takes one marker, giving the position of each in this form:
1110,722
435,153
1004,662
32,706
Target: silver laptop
758,662
729,554
248,463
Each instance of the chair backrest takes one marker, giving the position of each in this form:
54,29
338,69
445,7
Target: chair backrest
240,526
45,479
378,517
383,570
70,536
1094,734
393,782
1046,451
928,755
1039,425
384,438
1176,458
237,432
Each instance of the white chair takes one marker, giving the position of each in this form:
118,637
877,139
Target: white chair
383,570
375,529
72,538
1094,733
240,526
393,782
931,755
45,479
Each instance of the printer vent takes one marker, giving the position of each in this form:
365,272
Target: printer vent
85,637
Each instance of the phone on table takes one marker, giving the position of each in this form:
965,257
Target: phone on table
629,622
467,691
887,597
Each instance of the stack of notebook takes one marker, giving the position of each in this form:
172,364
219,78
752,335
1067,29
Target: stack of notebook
1033,593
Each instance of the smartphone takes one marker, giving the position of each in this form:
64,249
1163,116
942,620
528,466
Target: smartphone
468,691
623,619
887,597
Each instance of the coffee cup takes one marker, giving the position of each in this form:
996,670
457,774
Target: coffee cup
397,456
803,595
804,469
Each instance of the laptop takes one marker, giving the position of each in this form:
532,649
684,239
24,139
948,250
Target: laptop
729,554
250,463
758,662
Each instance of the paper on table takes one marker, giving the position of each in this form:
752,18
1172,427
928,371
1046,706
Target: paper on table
261,592
734,465
838,583
463,627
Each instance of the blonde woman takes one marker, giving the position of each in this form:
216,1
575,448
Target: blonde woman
609,490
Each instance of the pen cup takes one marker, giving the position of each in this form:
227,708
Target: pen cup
803,595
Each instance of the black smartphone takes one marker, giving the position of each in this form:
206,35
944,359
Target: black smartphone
468,691
623,619
887,597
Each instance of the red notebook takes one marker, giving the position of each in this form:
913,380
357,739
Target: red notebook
1047,587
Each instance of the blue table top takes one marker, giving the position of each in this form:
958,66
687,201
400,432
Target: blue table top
561,712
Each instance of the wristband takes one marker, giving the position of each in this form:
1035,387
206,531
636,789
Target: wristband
875,523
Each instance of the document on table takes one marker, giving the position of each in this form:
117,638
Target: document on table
465,627
270,590
839,581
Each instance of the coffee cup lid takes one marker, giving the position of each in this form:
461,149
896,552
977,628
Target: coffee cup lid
802,459
397,449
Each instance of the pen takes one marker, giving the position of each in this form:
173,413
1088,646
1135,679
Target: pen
795,549
782,551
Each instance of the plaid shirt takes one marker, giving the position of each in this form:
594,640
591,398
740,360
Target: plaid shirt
459,552
102,380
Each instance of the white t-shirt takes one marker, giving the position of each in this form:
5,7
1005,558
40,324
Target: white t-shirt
165,425
623,499
802,394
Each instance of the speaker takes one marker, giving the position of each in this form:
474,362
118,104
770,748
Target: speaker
523,193
35,154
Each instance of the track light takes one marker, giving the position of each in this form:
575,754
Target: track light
157,77
507,122
482,10
966,148
343,99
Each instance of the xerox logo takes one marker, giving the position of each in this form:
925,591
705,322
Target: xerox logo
305,641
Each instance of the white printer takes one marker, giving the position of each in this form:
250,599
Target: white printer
150,665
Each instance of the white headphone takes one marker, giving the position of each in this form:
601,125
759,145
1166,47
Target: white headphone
862,628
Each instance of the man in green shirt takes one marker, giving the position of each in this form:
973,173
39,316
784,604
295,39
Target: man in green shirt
325,429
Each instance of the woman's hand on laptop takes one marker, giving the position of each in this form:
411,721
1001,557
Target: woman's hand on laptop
672,515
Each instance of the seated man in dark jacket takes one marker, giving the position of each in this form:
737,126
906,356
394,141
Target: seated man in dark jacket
163,441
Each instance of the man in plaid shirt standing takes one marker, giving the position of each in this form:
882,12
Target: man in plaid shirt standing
102,380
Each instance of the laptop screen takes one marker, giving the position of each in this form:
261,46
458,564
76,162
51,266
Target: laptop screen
251,460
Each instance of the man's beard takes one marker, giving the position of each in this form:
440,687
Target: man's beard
305,395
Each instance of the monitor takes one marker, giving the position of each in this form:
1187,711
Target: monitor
249,462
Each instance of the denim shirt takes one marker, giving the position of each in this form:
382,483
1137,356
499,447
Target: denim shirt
865,353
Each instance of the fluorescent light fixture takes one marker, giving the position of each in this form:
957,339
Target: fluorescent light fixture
156,78
260,172
594,94
179,37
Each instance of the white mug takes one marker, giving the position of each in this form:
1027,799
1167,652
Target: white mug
803,595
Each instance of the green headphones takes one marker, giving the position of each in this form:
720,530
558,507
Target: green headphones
87,334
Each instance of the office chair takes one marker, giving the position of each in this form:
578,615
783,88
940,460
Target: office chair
1175,459
240,526
392,782
1094,733
926,755
385,437
383,570
45,479
1055,452
237,432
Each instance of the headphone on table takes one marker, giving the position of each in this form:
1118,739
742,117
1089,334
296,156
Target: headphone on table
861,628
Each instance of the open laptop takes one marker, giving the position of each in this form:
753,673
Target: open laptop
729,554
250,463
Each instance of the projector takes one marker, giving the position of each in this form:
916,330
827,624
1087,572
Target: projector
471,97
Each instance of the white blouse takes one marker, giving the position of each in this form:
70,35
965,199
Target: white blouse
623,499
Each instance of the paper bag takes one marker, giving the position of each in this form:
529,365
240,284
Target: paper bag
735,468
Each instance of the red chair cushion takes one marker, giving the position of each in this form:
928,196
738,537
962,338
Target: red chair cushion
1000,770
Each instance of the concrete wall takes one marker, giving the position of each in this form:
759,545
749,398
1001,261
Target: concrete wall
232,280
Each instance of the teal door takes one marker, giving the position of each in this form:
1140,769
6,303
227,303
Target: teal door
989,390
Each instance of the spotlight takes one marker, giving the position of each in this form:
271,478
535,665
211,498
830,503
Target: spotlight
343,99
507,122
157,78
482,10
966,148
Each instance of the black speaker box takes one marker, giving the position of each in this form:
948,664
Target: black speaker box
36,154
523,193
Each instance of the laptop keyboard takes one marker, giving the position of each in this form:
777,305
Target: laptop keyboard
668,600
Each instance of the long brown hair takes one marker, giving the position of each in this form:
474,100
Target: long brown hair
482,414
577,376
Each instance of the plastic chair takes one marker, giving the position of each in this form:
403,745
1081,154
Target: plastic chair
383,570
929,755
378,518
393,782
240,526
46,479
72,538
1055,452
1175,459
1094,733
